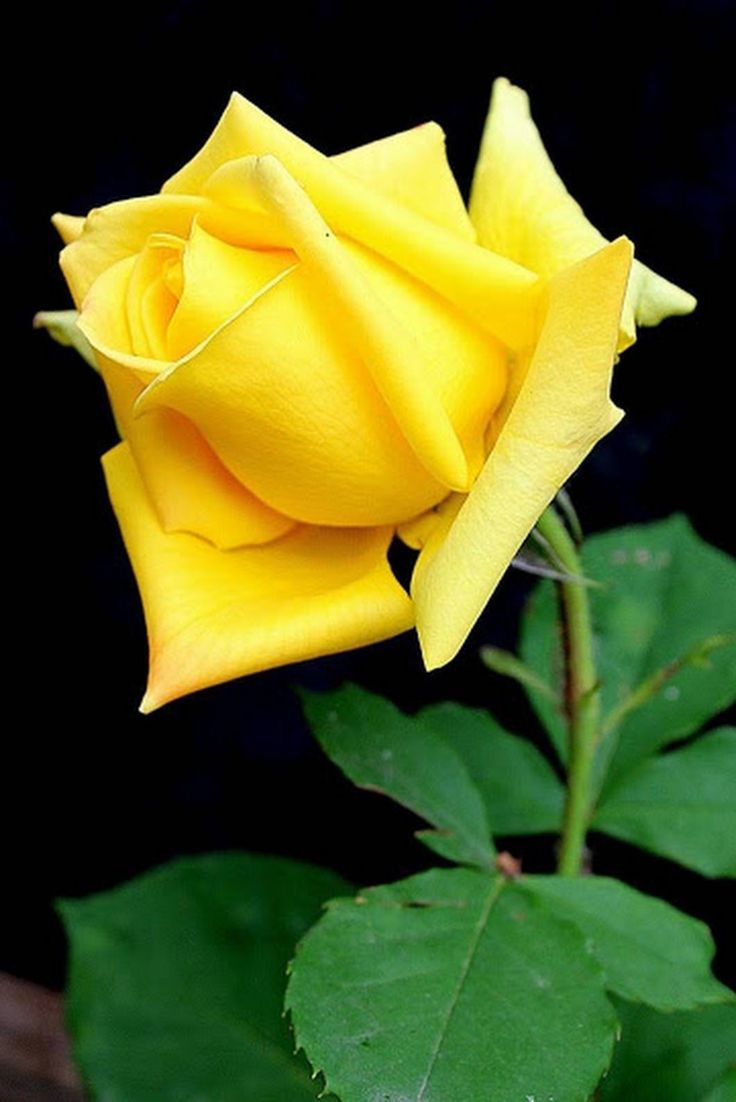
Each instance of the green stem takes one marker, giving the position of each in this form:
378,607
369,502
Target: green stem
583,697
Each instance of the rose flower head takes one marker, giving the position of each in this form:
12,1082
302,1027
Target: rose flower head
308,356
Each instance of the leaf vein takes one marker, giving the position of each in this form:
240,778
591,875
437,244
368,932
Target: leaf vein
493,895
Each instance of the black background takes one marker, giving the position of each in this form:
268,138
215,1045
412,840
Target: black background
633,104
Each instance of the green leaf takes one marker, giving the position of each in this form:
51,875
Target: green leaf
176,980
506,664
62,326
450,987
680,805
725,1088
542,649
666,615
520,789
669,1057
380,748
650,952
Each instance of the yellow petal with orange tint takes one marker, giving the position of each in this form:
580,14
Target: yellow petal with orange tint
216,615
562,409
189,488
522,209
496,292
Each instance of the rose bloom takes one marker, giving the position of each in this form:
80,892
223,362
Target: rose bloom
308,356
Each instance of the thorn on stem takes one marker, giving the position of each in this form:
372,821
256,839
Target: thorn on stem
508,865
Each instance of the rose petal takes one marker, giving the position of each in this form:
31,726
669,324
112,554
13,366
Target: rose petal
104,315
119,230
399,365
562,409
289,408
411,168
149,302
105,323
522,209
214,615
497,293
190,488
187,484
68,226
218,280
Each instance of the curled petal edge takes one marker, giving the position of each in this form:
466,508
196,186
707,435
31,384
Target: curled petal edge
561,410
521,208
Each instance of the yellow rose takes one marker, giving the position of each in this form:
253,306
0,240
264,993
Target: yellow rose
307,355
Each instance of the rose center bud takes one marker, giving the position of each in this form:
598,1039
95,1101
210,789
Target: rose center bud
262,359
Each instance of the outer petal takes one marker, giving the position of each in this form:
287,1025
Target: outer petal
68,226
411,168
187,484
213,616
562,409
499,294
522,209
